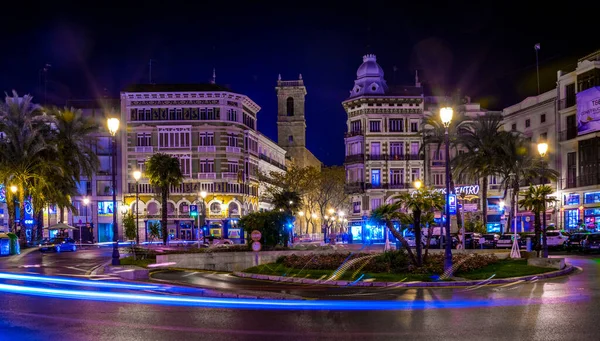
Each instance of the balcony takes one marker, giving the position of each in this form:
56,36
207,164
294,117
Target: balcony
399,185
354,187
354,158
567,134
581,181
144,149
207,149
354,133
379,186
207,176
229,175
438,163
271,161
377,157
235,150
394,157
566,103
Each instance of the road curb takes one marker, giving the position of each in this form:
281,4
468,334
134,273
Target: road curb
567,270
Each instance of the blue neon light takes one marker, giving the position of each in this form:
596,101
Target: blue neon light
79,282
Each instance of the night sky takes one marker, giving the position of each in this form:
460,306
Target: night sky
486,51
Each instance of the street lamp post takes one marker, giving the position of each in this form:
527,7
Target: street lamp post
446,116
543,149
137,175
201,218
86,201
113,127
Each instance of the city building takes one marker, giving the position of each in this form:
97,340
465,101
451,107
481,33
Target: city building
212,131
271,159
535,117
291,122
382,145
578,152
94,220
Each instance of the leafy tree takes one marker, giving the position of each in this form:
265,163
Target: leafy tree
154,231
130,229
272,225
288,201
163,171
330,192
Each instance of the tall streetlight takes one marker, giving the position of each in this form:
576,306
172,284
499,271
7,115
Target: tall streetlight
446,116
202,217
14,190
113,127
543,149
86,202
137,175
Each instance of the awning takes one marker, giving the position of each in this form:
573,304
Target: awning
61,226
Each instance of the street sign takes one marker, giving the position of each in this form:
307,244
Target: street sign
452,203
256,246
255,235
193,210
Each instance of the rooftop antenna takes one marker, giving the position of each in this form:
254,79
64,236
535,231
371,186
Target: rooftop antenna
537,65
214,77
417,83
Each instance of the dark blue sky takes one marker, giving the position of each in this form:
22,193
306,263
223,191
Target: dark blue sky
99,48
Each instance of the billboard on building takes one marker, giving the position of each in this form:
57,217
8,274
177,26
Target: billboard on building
588,110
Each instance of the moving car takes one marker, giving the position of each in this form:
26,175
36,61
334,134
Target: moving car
58,245
506,241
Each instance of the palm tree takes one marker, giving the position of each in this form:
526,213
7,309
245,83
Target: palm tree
481,138
419,204
387,214
433,134
518,166
163,171
536,199
24,151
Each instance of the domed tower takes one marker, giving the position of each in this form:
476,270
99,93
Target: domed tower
369,78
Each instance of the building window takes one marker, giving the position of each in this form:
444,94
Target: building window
232,167
571,169
438,179
354,148
571,96
290,139
414,126
375,126
543,118
375,149
290,106
206,139
355,126
376,177
527,123
141,165
185,163
144,139
544,137
414,149
232,140
207,166
375,202
356,207
174,137
396,150
415,174
397,176
513,127
397,125
231,115
249,121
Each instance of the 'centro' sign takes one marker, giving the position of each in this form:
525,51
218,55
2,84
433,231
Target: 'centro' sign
468,190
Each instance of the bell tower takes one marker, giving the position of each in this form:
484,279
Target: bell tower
291,124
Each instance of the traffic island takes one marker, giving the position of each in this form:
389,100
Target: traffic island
393,269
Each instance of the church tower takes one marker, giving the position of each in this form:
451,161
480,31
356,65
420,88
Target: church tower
291,124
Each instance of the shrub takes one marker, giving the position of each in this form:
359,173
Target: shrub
461,262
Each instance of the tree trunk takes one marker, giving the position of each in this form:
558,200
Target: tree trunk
163,220
10,206
399,236
484,203
22,235
538,230
428,240
417,228
40,224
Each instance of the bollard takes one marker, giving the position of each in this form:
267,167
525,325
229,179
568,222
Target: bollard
528,244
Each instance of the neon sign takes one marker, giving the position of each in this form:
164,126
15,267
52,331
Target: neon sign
468,190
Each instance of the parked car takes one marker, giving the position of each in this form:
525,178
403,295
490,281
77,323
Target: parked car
556,239
58,245
591,243
506,241
490,240
574,242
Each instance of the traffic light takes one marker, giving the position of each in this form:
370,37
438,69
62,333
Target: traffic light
193,210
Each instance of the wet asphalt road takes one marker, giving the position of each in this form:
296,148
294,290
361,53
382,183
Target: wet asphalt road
560,309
